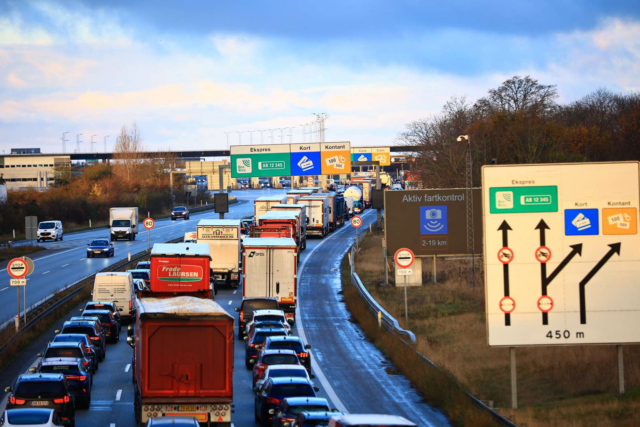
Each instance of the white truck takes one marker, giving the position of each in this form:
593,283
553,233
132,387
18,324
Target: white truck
224,239
317,214
262,205
270,268
294,195
123,223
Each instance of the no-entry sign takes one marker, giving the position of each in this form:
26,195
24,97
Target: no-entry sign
17,268
149,223
404,257
356,221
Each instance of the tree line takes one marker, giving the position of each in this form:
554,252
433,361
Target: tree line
522,122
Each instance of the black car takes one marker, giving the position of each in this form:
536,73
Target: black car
83,339
179,212
43,391
100,248
245,225
274,391
75,350
31,416
78,378
267,358
248,306
255,341
291,407
291,342
314,419
106,305
109,323
90,328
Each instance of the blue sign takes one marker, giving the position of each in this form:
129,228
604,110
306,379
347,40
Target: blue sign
581,222
306,163
361,157
434,220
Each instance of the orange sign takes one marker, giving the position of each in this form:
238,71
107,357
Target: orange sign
335,158
619,221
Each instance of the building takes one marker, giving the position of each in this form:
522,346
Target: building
25,151
22,171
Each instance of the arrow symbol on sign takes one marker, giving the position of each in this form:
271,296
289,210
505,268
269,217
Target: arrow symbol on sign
615,249
542,226
575,250
505,228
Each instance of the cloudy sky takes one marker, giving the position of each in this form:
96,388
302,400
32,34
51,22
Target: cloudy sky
187,72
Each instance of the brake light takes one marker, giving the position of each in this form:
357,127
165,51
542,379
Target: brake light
273,401
15,401
89,350
252,345
288,299
76,377
108,324
242,316
85,363
94,338
303,354
130,306
61,401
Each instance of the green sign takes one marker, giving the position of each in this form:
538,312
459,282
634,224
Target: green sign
260,161
523,199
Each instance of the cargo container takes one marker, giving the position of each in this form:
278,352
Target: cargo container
314,189
317,214
270,270
224,239
334,214
341,210
123,223
179,269
292,199
348,201
183,360
294,195
294,219
262,205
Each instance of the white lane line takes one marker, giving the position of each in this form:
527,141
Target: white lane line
4,289
315,367
118,395
82,259
126,369
230,302
46,272
64,265
112,425
234,292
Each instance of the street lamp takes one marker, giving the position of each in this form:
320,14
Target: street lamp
92,142
105,143
240,137
227,133
78,142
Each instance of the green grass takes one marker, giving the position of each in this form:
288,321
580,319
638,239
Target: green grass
19,251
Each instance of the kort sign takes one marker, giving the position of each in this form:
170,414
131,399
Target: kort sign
149,223
404,258
356,221
17,268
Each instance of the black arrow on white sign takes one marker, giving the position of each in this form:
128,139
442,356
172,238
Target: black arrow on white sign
615,249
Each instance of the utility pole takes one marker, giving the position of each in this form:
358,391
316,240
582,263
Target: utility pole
105,143
469,196
92,142
78,142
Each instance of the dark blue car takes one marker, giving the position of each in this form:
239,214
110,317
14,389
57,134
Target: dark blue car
291,407
274,391
100,248
79,379
315,419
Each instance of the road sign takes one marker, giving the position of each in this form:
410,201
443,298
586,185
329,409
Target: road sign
305,159
404,258
149,223
431,222
356,221
361,154
260,161
335,157
382,155
17,268
17,282
568,251
31,267
404,271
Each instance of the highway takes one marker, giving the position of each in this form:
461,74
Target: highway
350,371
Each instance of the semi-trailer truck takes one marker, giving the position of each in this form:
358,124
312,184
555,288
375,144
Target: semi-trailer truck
224,238
180,269
123,223
300,209
262,205
317,214
292,219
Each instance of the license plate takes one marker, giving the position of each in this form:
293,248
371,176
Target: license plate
96,252
39,403
187,408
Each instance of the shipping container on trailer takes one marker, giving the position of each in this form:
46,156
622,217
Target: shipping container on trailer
292,218
302,214
180,269
224,237
317,214
270,268
183,360
262,205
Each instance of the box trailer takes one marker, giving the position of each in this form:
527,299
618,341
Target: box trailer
123,223
294,219
294,195
317,215
334,215
262,205
180,269
224,237
294,207
183,360
270,268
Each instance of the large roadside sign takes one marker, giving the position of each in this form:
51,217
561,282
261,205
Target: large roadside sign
305,159
336,158
431,222
361,154
562,253
382,155
260,161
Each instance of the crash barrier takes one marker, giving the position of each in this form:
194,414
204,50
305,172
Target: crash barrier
408,338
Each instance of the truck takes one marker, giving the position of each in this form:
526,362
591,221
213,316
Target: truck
349,206
302,214
317,214
224,237
367,195
294,195
292,219
123,223
180,269
183,360
356,194
262,205
341,210
270,268
336,208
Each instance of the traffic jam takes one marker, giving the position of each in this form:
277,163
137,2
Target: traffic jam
182,340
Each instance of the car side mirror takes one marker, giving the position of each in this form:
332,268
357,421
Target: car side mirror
7,390
272,411
32,370
245,338
57,331
88,244
307,347
237,309
39,355
133,226
130,341
316,389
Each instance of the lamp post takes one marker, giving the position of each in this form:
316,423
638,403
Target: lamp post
227,134
92,142
64,143
105,143
78,142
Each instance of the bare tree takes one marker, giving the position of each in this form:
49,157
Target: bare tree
128,151
517,95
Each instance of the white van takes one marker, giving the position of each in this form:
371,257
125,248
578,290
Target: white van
370,420
116,287
50,230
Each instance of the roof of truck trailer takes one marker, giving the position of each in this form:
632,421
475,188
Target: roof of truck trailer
182,306
269,198
374,420
182,249
219,222
279,215
269,241
289,205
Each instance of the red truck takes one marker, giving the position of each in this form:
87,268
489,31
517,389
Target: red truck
271,230
183,360
180,269
292,219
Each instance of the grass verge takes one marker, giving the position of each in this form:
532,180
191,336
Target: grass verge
18,251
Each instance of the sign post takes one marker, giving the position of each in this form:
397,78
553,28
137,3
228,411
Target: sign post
404,259
356,222
18,270
31,227
149,223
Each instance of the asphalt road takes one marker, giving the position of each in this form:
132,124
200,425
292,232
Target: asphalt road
350,371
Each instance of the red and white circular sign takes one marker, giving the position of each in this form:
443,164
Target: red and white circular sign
149,223
543,254
404,257
356,221
17,268
505,255
545,304
507,305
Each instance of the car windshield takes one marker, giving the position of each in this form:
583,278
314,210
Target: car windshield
27,417
179,209
286,345
280,373
47,225
121,223
250,306
63,352
295,410
280,359
79,330
99,243
40,388
294,390
59,369
140,275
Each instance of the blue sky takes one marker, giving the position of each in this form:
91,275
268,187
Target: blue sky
187,72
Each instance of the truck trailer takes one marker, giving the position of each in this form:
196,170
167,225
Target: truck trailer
293,219
183,360
262,205
179,269
317,214
224,237
123,223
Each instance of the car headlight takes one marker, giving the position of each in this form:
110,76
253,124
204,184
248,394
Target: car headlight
105,249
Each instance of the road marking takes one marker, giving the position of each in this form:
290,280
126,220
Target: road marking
112,425
126,369
230,302
234,292
64,265
118,395
46,272
4,289
82,259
